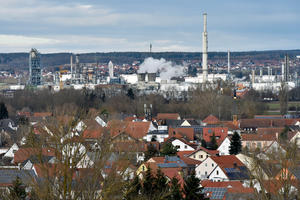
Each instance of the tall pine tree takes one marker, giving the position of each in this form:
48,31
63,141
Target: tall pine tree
236,144
192,189
17,190
132,189
175,191
213,142
3,111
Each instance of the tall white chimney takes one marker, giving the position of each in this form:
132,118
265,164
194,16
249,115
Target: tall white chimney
204,49
111,69
228,60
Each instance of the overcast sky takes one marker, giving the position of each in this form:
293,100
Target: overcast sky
131,25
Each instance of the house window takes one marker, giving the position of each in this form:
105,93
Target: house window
201,156
259,144
185,146
212,164
143,168
205,164
248,144
205,172
206,156
217,172
177,146
194,156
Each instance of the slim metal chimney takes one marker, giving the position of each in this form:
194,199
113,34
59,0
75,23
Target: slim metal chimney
228,60
71,62
253,77
204,49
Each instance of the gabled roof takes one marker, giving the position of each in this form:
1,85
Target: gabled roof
186,133
228,161
258,137
162,116
210,119
42,114
7,176
270,130
259,123
24,153
167,162
232,167
232,186
210,152
92,133
137,129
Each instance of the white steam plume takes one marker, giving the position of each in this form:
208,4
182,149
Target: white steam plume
167,69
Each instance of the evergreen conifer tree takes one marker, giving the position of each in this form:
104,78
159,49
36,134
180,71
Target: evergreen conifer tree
17,190
192,189
213,142
3,111
168,150
132,189
147,189
175,191
236,144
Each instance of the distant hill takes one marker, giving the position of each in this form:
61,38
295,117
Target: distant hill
20,60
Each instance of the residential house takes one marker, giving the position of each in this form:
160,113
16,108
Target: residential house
11,151
256,171
164,116
211,119
227,190
253,141
224,147
8,176
23,154
181,144
202,153
163,163
222,168
181,132
220,133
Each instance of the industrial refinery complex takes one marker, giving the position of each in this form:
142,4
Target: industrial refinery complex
157,75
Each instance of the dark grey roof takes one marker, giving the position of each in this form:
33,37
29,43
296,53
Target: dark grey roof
4,125
36,159
7,176
217,193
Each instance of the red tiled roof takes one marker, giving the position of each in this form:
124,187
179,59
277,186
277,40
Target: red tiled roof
210,152
221,132
162,116
258,137
232,186
92,134
270,130
227,161
230,125
137,130
190,161
184,153
255,123
211,120
26,114
42,114
174,173
186,133
24,153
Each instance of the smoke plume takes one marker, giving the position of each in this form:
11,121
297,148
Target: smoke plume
166,69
